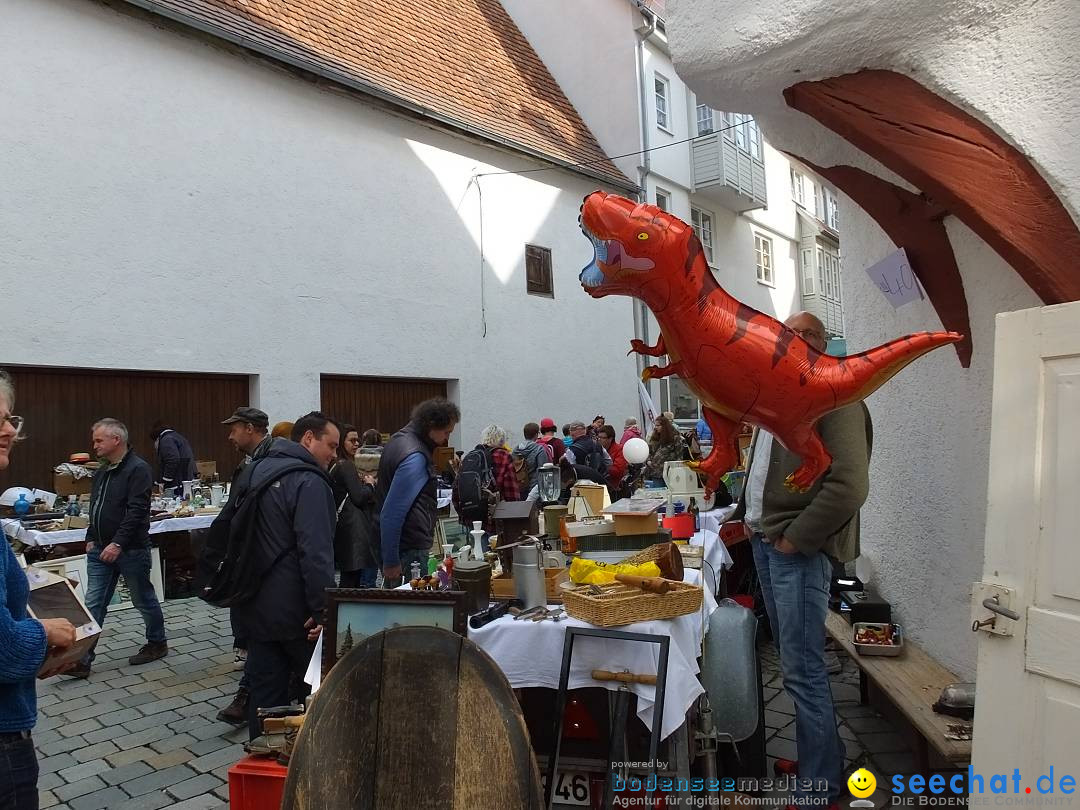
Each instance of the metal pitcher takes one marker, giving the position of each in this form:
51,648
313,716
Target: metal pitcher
529,575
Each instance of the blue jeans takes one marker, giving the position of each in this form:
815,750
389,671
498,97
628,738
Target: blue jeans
18,772
134,566
796,592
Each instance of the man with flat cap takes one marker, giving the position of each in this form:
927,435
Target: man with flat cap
248,434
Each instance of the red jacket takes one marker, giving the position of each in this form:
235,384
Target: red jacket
618,465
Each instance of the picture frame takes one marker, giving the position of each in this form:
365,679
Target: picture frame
353,614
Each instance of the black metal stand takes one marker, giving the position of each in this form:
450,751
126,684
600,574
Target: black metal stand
560,702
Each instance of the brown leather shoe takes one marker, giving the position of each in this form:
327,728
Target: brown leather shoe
150,652
236,713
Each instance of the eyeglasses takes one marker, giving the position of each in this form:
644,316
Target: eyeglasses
16,423
808,333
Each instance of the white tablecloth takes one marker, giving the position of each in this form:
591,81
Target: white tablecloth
708,536
31,537
530,654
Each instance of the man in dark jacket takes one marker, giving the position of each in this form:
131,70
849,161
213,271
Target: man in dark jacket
118,539
248,434
585,450
176,459
294,532
405,495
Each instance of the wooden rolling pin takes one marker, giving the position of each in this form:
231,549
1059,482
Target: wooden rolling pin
623,677
647,584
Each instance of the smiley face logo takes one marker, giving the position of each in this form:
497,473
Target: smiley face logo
862,783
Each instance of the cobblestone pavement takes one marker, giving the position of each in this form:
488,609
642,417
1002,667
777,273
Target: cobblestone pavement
140,738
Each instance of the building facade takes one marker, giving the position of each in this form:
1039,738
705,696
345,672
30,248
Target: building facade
769,226
349,230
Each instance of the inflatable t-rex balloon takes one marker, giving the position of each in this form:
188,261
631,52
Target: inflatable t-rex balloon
744,365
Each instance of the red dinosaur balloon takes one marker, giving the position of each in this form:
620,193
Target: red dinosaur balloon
744,365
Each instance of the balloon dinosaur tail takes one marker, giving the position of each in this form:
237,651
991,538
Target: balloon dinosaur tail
859,375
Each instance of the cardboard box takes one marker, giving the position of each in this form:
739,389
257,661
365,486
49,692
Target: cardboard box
65,485
53,597
634,515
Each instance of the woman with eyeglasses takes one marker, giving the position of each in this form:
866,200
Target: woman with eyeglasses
24,643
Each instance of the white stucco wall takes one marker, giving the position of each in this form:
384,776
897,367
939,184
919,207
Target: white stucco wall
1013,67
170,205
590,50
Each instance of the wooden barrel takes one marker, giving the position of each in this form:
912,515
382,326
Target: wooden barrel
413,718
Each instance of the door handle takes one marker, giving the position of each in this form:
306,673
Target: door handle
991,604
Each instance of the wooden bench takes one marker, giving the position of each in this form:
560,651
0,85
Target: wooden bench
912,682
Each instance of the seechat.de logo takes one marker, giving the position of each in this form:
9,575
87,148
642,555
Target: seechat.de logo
862,784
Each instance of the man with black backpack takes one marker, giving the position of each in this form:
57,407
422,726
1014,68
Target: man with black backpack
586,451
280,559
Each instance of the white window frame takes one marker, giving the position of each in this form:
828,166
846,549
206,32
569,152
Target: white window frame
662,101
753,136
763,259
798,187
709,119
807,260
832,212
703,221
659,193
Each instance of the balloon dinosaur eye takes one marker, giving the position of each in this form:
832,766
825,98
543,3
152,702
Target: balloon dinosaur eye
642,236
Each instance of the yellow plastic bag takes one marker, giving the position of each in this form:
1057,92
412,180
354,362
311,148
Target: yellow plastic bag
591,572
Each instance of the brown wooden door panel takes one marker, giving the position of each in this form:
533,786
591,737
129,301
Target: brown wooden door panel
61,404
376,402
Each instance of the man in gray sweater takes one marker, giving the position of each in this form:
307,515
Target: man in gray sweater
795,538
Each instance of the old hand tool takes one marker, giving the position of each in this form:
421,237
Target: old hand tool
623,677
647,584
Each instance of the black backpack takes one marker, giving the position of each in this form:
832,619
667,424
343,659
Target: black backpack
476,485
229,571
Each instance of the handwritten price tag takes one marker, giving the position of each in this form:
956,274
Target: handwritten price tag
896,280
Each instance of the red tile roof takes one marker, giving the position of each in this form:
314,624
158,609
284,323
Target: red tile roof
463,61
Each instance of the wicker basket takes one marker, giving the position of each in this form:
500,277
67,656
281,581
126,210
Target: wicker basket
620,604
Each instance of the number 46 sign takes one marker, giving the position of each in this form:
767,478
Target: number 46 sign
896,280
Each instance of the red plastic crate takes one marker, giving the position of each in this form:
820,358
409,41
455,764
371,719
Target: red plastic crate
256,783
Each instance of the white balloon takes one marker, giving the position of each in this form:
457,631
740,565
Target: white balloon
636,450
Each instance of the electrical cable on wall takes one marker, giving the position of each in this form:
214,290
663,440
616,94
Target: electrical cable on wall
475,179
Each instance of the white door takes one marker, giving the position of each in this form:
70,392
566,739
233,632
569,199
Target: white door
1027,710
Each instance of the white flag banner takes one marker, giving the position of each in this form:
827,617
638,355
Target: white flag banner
648,408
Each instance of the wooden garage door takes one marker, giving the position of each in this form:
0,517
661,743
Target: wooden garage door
61,404
376,402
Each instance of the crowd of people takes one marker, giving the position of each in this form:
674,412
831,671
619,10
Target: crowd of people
304,514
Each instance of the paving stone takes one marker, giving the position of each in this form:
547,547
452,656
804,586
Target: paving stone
151,721
99,799
144,737
138,700
203,747
56,763
62,746
222,792
210,802
149,801
46,799
858,710
198,786
146,687
96,751
129,755
781,748
199,709
119,717
80,788
45,737
95,710
160,706
787,732
870,725
782,703
846,734
77,772
208,762
188,724
158,780
206,694
891,763
66,706
776,719
124,681
172,743
125,773
889,743
179,690
216,729
845,693
47,781
167,760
